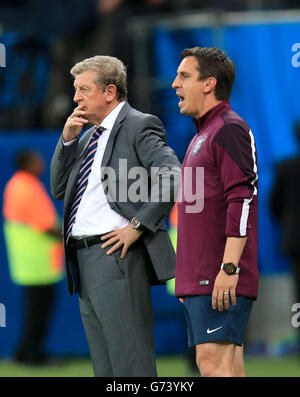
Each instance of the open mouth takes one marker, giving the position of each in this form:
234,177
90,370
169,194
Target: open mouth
181,98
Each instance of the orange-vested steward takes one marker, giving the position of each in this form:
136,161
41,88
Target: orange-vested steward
26,201
35,257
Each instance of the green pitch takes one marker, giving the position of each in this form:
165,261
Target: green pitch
175,366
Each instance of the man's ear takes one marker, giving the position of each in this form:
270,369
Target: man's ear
210,84
110,92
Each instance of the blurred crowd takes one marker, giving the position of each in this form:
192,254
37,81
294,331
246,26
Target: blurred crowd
52,36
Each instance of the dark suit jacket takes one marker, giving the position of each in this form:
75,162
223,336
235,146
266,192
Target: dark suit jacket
140,139
285,204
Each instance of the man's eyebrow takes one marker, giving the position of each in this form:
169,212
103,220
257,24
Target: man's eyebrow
78,86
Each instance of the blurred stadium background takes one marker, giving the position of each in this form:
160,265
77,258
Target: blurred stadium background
42,40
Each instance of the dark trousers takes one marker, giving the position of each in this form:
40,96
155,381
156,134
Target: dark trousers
38,305
116,310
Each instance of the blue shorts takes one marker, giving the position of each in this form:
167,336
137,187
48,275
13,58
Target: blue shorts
204,324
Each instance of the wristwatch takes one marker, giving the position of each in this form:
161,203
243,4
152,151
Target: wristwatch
230,268
136,224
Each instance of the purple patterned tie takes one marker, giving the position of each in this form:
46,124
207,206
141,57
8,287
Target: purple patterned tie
82,180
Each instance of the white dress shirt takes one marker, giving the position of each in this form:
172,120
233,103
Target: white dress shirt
94,215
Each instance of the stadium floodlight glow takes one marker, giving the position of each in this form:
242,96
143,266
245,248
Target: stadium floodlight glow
2,55
296,57
2,316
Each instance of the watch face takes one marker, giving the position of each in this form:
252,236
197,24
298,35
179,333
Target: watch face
135,223
229,268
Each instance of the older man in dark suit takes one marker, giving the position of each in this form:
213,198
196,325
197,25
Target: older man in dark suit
118,182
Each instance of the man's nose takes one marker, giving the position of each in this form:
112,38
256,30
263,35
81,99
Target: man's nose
77,96
175,83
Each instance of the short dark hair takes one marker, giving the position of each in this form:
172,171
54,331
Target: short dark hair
23,158
212,62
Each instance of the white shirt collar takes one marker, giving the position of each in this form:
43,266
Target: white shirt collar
110,119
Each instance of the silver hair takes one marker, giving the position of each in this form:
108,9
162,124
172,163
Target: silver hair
110,70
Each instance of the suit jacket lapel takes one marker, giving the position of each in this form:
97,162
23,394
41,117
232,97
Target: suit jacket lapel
86,140
112,136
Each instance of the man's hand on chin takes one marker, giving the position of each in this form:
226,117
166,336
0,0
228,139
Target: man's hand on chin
122,237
